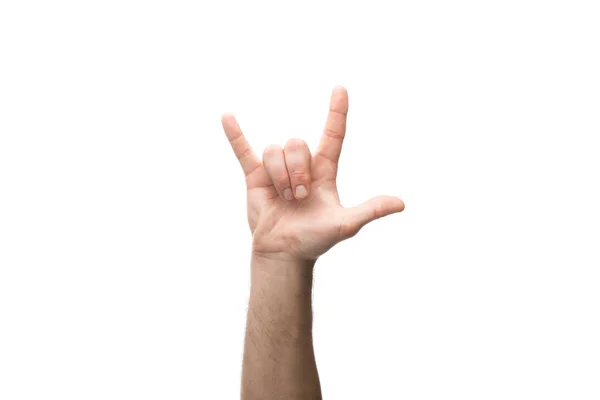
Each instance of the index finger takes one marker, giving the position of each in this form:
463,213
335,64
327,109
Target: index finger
330,145
242,149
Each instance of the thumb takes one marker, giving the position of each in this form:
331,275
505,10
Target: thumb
358,216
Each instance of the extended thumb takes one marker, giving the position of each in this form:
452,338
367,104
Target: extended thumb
370,210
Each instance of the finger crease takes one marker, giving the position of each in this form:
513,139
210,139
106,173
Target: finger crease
247,151
326,157
253,169
333,134
236,138
337,112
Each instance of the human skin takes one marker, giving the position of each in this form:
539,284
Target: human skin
295,216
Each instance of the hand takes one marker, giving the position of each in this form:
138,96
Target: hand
294,210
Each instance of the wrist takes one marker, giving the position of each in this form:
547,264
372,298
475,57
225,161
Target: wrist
280,267
281,259
273,248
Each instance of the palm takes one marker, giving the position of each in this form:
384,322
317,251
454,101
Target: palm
304,229
307,226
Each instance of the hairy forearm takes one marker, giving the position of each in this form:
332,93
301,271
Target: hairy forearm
279,360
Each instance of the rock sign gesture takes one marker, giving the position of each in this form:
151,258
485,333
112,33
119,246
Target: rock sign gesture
294,209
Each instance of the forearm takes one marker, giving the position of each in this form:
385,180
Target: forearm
279,360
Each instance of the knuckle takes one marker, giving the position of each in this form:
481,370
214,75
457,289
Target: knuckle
298,175
271,150
295,144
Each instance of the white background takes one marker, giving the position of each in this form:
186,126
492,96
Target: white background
124,246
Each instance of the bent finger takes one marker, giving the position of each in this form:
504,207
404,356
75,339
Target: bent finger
274,162
297,160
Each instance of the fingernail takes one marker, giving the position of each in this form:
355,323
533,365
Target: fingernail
287,194
301,192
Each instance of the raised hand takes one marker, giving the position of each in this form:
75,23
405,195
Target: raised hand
294,209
